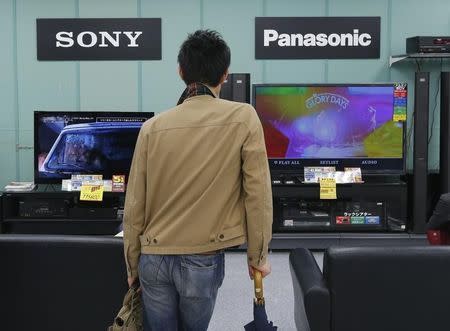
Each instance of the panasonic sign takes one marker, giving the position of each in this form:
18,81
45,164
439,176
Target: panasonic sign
99,39
321,39
317,37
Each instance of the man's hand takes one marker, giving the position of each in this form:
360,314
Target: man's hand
131,281
265,269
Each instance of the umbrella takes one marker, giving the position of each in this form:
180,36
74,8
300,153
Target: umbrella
260,322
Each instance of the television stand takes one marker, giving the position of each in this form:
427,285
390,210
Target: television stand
60,212
377,205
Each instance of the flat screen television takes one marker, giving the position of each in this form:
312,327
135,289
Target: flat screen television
67,143
339,125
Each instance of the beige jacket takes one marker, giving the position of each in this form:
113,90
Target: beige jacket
199,182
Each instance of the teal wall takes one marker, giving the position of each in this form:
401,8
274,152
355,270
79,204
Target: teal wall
27,85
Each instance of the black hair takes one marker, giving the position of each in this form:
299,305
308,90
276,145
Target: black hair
204,57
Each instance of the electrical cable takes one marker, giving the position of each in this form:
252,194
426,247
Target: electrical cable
435,105
410,133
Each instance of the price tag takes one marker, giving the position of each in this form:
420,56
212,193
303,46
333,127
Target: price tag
400,100
327,188
91,193
399,117
118,183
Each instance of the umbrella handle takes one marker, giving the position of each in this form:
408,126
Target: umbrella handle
257,280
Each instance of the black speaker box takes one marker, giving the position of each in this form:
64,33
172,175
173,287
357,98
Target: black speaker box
236,88
226,91
420,162
1,213
444,157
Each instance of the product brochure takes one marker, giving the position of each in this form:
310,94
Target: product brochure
313,174
349,175
77,181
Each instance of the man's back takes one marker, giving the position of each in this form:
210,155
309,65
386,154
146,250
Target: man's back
194,196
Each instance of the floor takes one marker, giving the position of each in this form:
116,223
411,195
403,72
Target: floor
234,306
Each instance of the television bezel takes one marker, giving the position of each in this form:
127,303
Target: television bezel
300,168
38,114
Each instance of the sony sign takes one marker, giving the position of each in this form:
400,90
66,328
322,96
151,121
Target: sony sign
317,37
99,39
89,38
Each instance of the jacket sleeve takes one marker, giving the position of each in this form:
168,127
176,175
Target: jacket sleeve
134,213
257,192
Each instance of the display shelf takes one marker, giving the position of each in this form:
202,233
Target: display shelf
52,227
60,212
60,220
298,208
52,193
397,58
322,241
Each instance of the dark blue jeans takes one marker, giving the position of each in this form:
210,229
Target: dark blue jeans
179,291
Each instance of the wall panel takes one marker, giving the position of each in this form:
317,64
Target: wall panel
41,85
161,84
108,85
27,84
236,24
295,71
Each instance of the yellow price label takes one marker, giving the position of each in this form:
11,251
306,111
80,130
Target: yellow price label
328,188
399,117
327,182
91,193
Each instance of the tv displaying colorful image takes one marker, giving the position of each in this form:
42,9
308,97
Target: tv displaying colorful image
338,125
69,143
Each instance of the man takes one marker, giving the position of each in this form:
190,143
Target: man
199,183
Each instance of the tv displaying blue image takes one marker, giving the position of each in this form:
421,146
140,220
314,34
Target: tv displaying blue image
84,143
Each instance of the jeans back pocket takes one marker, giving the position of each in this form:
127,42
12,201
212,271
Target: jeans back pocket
200,276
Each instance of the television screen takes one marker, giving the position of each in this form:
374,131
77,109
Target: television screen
336,125
67,143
